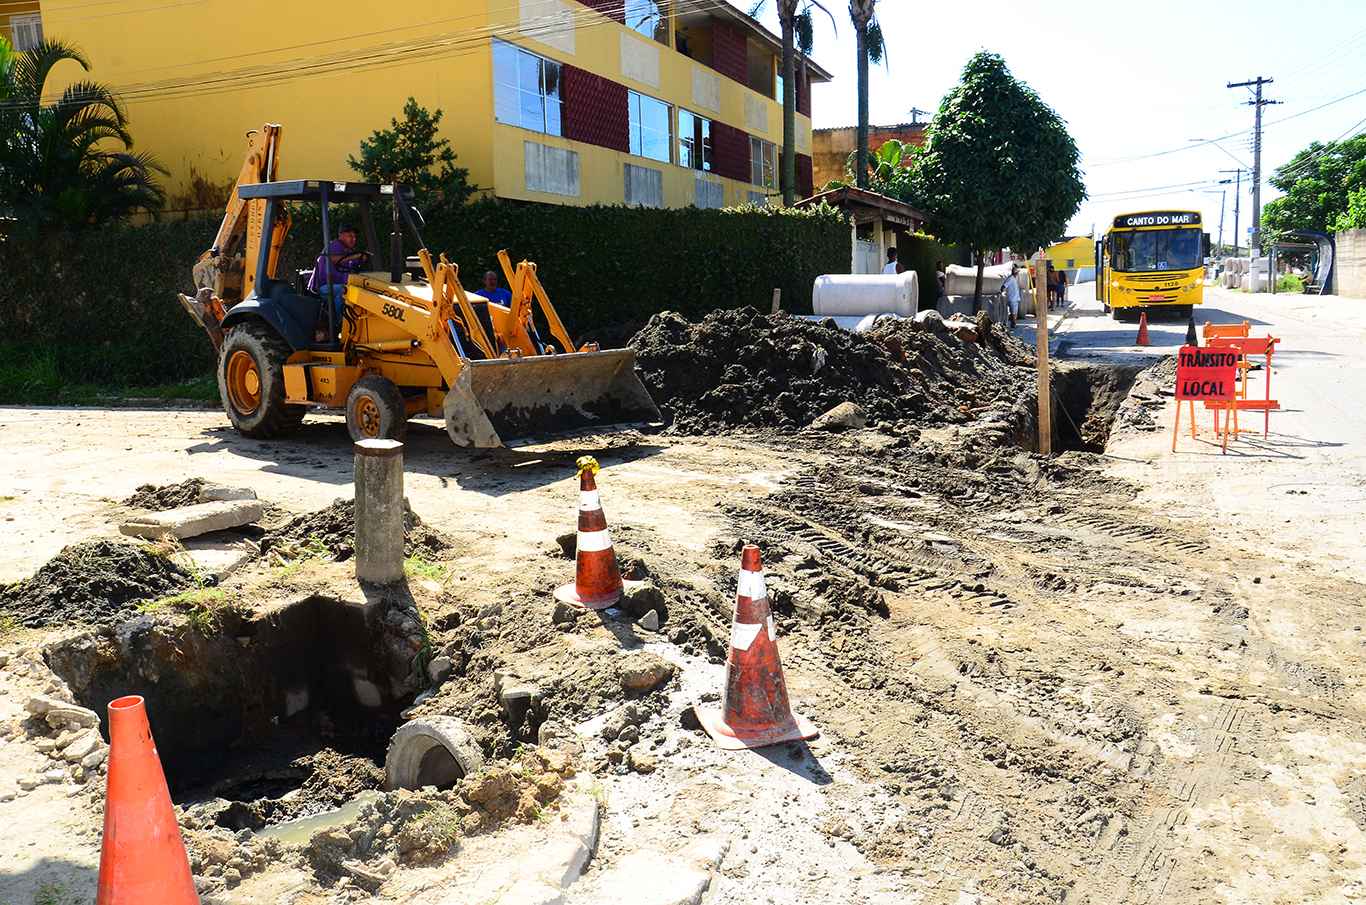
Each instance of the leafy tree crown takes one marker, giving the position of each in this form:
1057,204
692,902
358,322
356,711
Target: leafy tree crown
998,167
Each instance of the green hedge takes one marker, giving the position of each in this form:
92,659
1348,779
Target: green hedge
100,307
920,253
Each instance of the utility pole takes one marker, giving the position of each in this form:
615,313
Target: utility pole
1223,194
916,113
1258,102
1237,181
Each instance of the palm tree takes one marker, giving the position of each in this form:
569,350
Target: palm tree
869,48
794,20
68,163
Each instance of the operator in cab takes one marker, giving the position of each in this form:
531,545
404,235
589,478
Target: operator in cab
493,292
345,259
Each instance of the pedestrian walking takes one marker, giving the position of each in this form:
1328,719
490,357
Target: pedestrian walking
1062,288
1012,288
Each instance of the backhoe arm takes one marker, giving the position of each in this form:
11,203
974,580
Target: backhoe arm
221,268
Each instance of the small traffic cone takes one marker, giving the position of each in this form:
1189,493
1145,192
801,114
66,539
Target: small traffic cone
1142,329
1191,338
597,580
755,711
142,857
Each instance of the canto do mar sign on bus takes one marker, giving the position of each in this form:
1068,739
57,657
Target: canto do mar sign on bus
1158,218
1206,374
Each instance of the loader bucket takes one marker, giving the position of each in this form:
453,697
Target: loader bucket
503,400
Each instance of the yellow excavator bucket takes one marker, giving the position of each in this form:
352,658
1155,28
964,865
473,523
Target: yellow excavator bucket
508,401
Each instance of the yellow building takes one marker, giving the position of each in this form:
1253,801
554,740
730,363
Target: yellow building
21,23
1076,255
652,102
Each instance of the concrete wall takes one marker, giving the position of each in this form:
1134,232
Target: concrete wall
1349,270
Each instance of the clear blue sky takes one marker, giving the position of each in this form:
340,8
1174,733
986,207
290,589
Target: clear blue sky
1130,79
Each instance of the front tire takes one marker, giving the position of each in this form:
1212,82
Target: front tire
375,410
251,382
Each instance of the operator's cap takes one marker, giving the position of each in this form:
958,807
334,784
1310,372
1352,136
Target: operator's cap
346,228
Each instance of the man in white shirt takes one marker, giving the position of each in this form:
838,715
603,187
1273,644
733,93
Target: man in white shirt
1012,288
892,266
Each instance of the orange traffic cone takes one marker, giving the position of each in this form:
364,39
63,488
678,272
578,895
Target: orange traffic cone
142,858
597,580
1142,329
754,708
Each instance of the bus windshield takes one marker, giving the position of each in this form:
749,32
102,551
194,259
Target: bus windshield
1157,249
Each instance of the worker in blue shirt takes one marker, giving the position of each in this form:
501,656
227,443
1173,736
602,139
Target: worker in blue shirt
493,292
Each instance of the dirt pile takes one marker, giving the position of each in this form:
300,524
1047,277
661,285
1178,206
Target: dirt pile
159,497
331,532
740,368
97,582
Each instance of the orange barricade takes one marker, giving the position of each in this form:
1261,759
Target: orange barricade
1248,346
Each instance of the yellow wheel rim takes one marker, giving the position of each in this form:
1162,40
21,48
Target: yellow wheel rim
367,417
244,383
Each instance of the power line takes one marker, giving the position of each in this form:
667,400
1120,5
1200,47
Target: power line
1209,141
455,43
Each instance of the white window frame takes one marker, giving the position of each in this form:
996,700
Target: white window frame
30,25
638,129
763,163
510,96
707,151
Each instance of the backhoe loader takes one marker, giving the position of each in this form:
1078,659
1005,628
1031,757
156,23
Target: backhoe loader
409,340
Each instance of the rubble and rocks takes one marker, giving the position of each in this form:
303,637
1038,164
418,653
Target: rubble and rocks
740,368
1145,399
411,828
98,582
70,737
331,532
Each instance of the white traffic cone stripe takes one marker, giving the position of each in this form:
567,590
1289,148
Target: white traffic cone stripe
742,634
594,541
752,585
772,629
589,501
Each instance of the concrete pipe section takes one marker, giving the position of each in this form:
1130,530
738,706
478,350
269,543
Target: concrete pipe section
430,751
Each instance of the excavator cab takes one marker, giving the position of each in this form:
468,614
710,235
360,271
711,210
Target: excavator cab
408,340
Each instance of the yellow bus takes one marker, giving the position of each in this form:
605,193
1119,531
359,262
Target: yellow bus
1151,261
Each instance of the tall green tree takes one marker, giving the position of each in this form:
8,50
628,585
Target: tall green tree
1318,183
998,167
798,33
412,153
6,66
68,162
868,48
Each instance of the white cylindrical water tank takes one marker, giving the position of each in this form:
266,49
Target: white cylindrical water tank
857,294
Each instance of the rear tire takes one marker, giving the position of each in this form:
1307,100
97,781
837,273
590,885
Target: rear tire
375,410
251,382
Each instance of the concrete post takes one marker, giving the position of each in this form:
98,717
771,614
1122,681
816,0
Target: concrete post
379,511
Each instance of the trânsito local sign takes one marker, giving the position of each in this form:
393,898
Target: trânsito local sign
1206,374
1158,218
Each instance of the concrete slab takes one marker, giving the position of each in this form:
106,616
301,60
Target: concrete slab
192,521
646,877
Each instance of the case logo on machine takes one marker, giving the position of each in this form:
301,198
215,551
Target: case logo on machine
1159,218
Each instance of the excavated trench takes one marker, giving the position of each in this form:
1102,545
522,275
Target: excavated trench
281,713
1086,398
